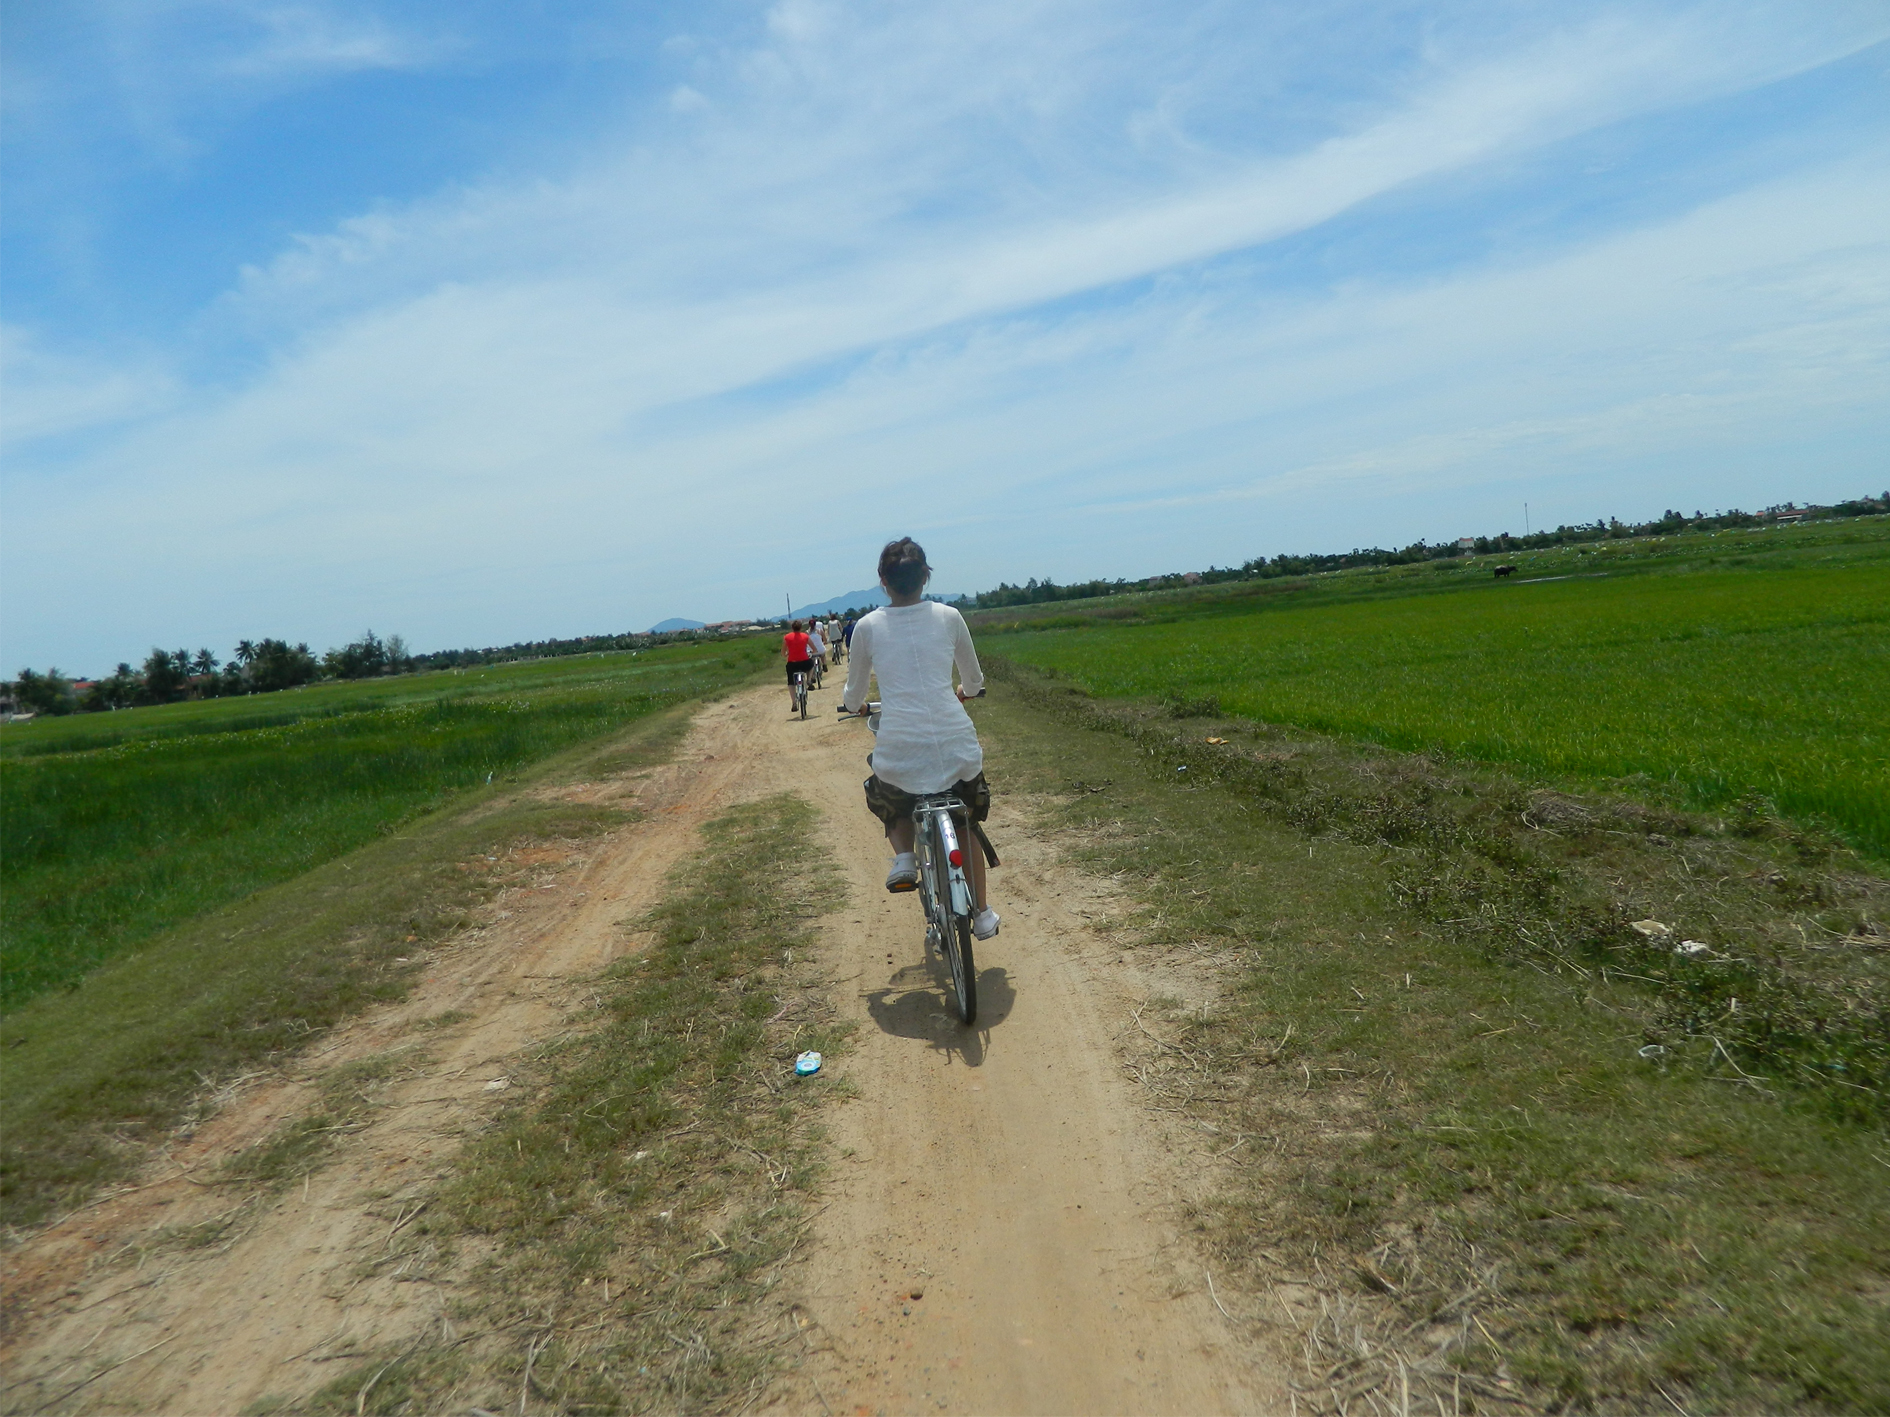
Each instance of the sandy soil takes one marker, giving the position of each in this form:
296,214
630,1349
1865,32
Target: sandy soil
1000,1233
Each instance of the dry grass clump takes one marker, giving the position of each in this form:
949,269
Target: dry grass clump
347,1094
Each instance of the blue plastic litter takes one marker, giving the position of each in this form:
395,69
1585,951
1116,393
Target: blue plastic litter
807,1064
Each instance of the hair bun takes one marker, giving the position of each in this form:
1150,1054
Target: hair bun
902,566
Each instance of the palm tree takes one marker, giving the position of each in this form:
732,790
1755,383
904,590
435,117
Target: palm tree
163,680
245,653
204,663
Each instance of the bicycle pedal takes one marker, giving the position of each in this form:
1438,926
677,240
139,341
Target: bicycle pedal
904,888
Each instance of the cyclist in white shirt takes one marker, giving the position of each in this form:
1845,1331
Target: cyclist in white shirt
926,740
818,645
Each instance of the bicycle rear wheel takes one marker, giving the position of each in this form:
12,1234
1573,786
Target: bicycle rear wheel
964,970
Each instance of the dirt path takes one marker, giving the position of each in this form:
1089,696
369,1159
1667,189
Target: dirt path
1001,1229
1001,1236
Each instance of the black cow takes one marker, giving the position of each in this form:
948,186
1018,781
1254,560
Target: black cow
1502,571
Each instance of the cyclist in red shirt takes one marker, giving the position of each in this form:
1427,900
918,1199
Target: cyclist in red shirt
799,650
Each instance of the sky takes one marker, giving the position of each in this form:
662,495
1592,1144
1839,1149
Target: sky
479,322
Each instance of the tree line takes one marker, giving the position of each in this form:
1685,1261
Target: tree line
1034,592
265,666
172,676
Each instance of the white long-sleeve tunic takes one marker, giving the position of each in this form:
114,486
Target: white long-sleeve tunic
926,739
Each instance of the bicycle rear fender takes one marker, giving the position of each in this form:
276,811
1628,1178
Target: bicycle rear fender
961,889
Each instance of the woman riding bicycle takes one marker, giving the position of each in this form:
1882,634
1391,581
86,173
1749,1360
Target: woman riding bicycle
800,660
926,739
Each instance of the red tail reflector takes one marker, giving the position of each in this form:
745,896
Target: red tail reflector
956,857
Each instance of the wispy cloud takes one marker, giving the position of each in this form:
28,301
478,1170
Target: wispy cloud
1016,256
280,41
49,395
170,75
772,249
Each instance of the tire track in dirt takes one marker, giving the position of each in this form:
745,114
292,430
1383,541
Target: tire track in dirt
1010,1177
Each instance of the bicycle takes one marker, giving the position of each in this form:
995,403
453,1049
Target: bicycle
944,888
799,680
946,894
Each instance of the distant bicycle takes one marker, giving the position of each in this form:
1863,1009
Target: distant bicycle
944,889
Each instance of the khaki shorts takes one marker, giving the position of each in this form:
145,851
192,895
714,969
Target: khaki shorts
894,804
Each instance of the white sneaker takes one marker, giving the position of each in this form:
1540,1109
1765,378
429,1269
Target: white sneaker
904,875
985,924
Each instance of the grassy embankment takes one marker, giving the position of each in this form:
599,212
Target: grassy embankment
247,886
639,1202
1424,1052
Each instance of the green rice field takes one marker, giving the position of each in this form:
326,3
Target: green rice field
1722,679
117,826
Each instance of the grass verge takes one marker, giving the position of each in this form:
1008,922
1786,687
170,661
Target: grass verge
1420,1049
97,1072
639,1204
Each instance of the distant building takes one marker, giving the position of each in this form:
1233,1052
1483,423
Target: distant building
1466,543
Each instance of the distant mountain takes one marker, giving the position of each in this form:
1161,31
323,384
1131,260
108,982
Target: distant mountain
855,600
669,625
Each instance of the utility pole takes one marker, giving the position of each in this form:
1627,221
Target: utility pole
1525,519
788,600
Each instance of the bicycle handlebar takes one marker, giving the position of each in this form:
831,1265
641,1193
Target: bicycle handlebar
872,707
